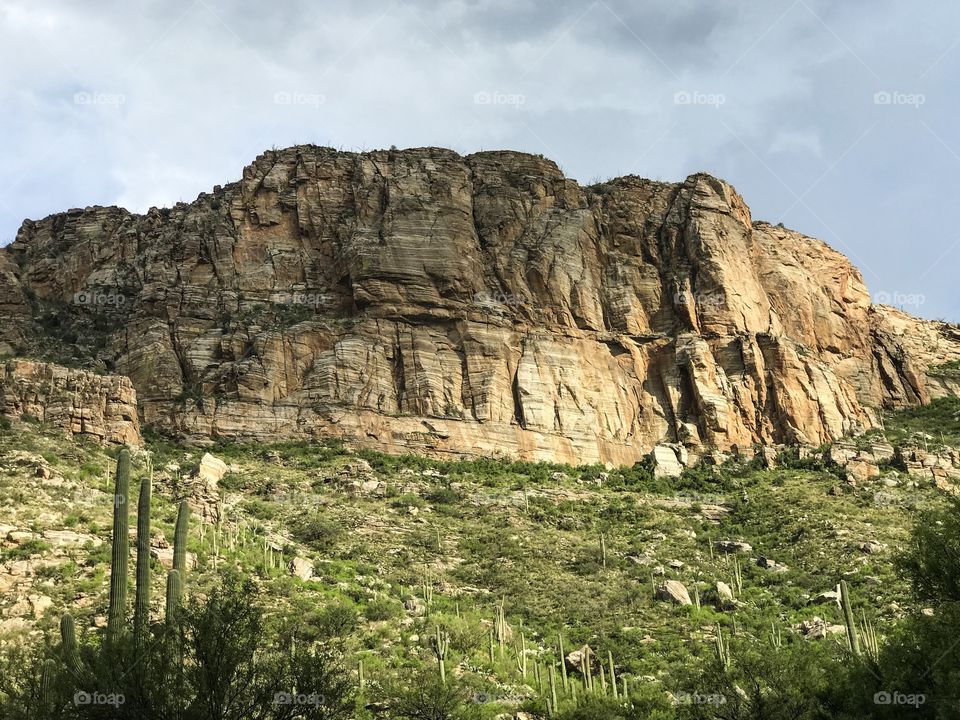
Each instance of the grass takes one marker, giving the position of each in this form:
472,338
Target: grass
479,532
938,422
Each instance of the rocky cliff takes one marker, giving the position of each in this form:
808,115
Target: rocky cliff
103,408
424,301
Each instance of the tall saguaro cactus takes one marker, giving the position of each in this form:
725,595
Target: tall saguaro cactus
141,613
174,593
180,540
116,616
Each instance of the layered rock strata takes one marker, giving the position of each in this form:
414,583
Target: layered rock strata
424,301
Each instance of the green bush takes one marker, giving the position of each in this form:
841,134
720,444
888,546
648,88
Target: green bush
217,660
317,531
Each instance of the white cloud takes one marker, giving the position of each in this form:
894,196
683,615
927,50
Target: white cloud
198,82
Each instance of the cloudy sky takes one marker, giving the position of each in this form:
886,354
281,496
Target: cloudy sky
837,119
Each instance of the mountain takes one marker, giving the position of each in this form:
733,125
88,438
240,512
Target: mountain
418,300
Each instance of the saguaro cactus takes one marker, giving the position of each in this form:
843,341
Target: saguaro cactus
141,612
563,662
441,645
174,593
723,649
180,541
71,651
853,640
553,688
116,616
47,682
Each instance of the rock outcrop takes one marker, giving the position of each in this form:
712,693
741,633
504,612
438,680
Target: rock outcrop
423,301
80,402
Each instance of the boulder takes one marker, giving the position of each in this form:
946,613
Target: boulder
211,470
724,595
733,546
665,462
302,568
673,591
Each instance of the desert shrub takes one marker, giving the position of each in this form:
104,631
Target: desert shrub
421,696
260,509
380,609
217,660
932,560
317,530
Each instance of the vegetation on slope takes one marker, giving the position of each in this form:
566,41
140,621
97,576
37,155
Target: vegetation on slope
411,562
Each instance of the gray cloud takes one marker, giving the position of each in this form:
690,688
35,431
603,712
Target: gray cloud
836,119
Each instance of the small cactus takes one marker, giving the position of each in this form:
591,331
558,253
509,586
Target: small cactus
723,649
441,644
613,673
563,662
521,651
71,651
853,640
553,688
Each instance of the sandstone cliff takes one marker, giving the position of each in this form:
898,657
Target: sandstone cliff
79,402
420,300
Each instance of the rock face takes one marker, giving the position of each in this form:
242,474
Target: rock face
80,402
423,301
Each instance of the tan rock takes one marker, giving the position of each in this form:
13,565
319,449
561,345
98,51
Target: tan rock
673,591
164,556
69,538
211,470
665,462
302,568
76,401
724,595
423,301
